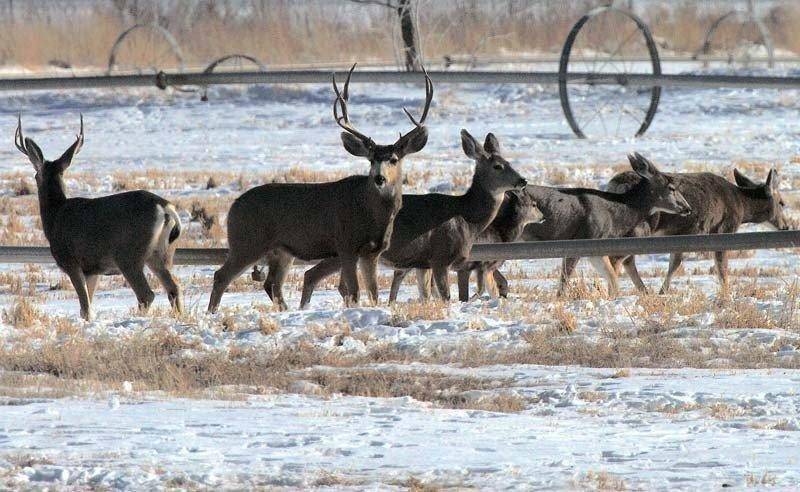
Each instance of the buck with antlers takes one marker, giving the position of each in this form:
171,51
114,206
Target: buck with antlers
351,218
436,231
104,236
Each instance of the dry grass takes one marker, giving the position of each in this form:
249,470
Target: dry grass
23,314
765,479
159,361
723,411
565,320
602,481
444,391
404,313
329,32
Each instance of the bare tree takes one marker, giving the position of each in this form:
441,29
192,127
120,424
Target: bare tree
405,14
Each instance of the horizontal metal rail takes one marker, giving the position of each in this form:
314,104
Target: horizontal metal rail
163,80
514,251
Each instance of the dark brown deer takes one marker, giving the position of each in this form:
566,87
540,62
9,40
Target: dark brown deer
718,206
436,231
351,218
580,213
517,211
113,234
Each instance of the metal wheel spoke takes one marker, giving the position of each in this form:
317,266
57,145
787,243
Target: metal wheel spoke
596,106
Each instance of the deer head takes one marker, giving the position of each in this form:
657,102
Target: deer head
385,160
46,171
663,195
492,171
769,189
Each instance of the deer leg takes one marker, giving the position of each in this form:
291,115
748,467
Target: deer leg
134,275
232,268
463,284
350,277
502,283
604,268
279,267
315,275
675,260
91,285
617,262
442,283
78,280
721,261
629,264
369,272
488,281
397,281
161,271
423,283
567,267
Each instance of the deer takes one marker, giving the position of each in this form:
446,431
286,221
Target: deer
436,231
517,211
583,213
109,235
351,218
718,206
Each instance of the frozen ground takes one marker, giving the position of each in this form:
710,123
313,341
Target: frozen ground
578,427
655,430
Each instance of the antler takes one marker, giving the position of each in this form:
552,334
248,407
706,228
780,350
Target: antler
341,100
19,140
428,99
78,139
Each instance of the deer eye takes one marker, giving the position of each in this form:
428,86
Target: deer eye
782,203
499,167
393,159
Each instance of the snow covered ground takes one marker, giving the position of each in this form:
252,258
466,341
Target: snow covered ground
654,429
662,426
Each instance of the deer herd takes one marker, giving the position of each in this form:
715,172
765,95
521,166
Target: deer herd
361,221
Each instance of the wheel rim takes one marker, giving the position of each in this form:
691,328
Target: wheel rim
608,109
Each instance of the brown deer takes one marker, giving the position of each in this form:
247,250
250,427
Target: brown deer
351,218
436,231
109,235
581,213
517,211
718,206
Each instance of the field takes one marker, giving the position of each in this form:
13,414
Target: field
695,389
43,35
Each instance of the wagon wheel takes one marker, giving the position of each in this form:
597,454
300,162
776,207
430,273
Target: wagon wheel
738,37
232,63
611,41
145,48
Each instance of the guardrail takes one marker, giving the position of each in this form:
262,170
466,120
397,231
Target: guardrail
163,80
514,251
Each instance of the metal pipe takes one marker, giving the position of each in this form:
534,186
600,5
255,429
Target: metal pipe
513,251
163,79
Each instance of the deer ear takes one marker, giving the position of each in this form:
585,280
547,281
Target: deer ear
66,158
743,181
491,145
34,154
355,145
414,141
772,180
642,166
470,145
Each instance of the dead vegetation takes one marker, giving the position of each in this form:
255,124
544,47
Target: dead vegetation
312,32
